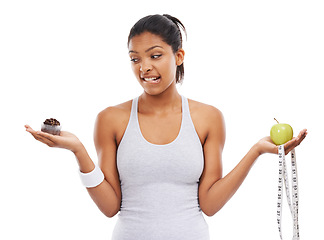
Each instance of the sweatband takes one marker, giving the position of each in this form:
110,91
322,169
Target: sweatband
93,178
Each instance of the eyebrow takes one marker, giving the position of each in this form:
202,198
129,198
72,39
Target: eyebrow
147,50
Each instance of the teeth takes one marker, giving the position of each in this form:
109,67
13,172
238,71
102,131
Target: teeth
150,79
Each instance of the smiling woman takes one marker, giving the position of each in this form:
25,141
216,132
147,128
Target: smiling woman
160,154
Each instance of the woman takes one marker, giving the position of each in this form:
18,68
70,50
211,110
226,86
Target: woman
160,153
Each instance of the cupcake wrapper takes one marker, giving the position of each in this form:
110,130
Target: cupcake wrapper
55,130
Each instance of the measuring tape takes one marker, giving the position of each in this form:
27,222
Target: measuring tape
293,200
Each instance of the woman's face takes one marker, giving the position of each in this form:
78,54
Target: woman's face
153,62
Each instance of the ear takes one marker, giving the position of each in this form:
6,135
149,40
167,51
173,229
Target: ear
180,56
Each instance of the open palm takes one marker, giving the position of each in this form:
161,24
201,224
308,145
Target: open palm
65,140
267,146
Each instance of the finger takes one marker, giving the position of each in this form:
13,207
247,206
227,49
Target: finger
302,133
29,129
46,141
32,132
52,138
301,136
43,140
40,136
290,145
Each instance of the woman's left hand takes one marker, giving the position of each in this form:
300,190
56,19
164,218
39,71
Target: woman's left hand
266,145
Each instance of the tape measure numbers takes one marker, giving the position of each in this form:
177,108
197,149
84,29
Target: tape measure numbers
293,198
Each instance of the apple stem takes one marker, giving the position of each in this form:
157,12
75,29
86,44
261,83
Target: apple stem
276,120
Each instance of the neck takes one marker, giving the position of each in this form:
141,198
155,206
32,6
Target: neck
166,101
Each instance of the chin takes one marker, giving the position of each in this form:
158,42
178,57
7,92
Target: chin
153,93
157,89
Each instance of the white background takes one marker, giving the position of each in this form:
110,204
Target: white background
254,60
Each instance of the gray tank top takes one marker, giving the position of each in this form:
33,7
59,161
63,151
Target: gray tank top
159,184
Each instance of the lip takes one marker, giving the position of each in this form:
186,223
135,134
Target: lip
153,82
158,79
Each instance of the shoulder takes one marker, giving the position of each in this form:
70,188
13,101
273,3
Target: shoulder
205,112
208,120
114,118
115,113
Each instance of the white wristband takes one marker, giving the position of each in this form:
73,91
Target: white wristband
93,178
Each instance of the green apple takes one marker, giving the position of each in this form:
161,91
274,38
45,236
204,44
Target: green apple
281,133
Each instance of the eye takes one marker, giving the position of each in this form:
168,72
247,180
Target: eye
134,60
156,56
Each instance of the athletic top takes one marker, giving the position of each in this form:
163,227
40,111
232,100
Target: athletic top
159,184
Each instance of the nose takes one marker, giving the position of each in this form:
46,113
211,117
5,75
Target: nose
145,67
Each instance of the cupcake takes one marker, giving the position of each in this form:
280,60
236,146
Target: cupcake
51,126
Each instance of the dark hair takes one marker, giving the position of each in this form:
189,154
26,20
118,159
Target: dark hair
165,26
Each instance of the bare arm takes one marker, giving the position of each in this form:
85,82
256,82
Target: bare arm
106,195
214,190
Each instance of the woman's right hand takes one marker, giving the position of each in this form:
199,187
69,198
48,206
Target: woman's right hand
65,140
